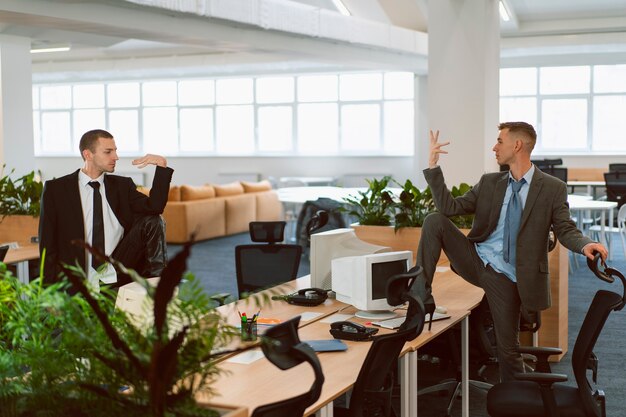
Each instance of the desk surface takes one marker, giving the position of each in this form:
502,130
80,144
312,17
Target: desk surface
21,254
260,382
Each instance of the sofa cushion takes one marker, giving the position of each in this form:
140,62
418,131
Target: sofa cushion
173,195
240,211
224,190
268,206
254,187
196,192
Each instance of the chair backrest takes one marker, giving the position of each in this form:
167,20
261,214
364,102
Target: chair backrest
268,232
262,266
617,167
282,346
616,187
372,390
547,163
560,173
309,209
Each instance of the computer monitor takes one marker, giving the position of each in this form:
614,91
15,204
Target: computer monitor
362,281
332,244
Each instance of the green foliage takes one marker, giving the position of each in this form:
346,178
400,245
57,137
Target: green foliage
374,206
20,196
412,206
464,221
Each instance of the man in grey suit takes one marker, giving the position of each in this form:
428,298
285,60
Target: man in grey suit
506,251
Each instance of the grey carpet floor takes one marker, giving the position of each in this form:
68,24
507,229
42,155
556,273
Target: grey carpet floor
213,263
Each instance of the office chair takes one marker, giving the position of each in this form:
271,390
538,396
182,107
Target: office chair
371,394
560,173
547,163
539,394
282,346
260,266
616,187
335,219
617,167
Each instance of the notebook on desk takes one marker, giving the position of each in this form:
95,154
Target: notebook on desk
396,322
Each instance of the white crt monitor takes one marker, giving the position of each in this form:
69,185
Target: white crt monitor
332,244
362,281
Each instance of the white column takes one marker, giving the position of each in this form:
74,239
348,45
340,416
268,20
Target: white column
463,84
421,148
16,105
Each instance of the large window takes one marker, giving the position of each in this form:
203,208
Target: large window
312,114
575,109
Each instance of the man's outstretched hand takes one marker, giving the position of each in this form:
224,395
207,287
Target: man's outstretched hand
435,149
590,249
150,159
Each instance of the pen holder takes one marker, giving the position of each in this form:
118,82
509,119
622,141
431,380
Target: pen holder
248,331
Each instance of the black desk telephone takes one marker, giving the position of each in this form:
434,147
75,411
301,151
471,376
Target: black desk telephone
348,330
305,297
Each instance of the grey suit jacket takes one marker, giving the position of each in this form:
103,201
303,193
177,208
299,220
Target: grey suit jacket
546,205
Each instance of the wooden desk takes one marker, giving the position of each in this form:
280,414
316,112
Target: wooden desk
20,257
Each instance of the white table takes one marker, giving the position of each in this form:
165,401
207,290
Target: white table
590,185
579,206
309,181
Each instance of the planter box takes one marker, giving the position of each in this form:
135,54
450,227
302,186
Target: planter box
18,228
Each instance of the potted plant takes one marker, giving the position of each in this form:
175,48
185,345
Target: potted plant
19,206
374,206
78,355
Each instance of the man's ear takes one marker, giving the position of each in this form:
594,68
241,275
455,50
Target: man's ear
87,155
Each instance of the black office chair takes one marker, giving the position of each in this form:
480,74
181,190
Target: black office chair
616,187
538,394
259,266
559,172
617,167
334,220
547,163
282,346
371,394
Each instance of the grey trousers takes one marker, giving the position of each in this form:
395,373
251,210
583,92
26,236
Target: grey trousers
438,232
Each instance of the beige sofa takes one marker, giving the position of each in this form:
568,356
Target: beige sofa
209,211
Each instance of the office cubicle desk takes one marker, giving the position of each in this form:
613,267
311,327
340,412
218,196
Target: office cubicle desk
260,382
20,257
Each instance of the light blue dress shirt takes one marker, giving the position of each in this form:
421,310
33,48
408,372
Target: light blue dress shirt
490,251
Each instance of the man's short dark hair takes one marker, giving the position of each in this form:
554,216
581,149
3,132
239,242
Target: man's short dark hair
89,139
523,129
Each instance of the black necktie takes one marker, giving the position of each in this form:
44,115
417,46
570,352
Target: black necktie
97,240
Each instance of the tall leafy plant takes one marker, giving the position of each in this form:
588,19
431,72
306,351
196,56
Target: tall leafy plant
373,206
20,196
412,206
464,221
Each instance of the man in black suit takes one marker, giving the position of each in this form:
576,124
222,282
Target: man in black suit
126,224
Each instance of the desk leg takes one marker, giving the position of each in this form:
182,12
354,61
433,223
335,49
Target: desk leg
22,272
465,367
408,385
326,411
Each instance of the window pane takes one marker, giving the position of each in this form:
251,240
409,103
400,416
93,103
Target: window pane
564,80
159,93
519,110
609,78
317,88
399,129
234,91
609,123
360,86
88,96
56,97
318,128
399,85
86,120
564,124
360,127
55,132
160,130
35,97
196,92
37,132
275,128
196,129
123,95
275,90
235,129
124,126
518,81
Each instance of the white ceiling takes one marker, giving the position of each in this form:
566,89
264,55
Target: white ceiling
101,38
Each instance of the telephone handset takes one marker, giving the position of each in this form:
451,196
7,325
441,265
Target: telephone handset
348,330
305,297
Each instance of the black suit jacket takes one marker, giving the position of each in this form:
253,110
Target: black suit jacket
546,205
61,217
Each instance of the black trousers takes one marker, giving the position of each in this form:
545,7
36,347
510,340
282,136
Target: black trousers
438,232
143,249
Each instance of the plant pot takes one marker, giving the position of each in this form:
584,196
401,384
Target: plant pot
18,228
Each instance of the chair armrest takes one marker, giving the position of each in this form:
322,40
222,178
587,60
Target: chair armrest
542,354
541,378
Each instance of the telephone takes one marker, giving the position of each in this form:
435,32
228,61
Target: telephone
348,330
305,297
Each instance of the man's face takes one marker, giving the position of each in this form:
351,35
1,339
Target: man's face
505,147
104,156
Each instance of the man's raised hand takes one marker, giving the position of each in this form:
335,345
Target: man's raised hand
435,149
150,159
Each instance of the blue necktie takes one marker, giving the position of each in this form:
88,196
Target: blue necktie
512,221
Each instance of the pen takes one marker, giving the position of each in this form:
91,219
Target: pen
239,314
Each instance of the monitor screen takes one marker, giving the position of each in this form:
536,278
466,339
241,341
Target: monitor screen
381,272
333,244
